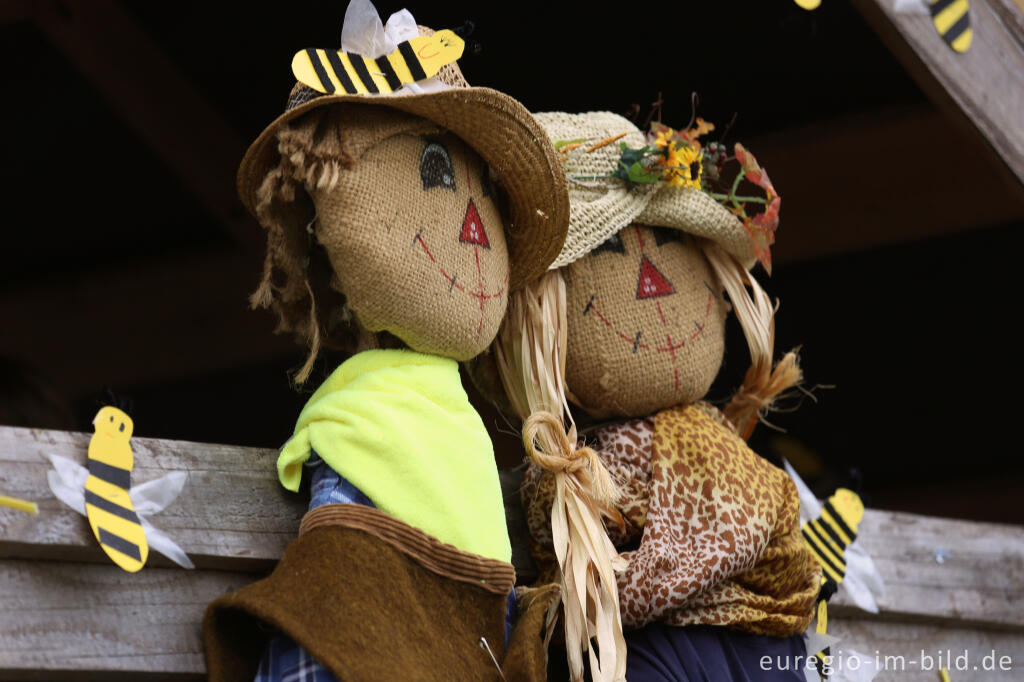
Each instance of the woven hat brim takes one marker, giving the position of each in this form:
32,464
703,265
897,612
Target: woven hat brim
498,128
695,212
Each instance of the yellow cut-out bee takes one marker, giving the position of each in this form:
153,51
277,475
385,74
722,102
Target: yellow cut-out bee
103,492
107,501
334,71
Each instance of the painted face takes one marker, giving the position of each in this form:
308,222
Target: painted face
645,323
418,245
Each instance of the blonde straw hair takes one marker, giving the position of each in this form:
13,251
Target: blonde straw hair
762,384
530,355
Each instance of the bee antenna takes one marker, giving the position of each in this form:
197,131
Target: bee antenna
467,28
856,480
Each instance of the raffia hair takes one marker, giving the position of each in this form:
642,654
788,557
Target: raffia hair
312,154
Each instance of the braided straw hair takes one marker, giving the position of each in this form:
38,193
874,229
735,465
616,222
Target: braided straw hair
530,355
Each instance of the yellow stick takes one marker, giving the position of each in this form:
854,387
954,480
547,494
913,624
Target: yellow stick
944,675
20,505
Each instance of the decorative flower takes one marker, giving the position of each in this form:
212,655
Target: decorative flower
676,157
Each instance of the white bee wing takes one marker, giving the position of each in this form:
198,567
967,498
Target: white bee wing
863,583
67,482
153,496
161,542
810,508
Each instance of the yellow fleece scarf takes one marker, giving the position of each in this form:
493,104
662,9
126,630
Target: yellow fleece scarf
398,425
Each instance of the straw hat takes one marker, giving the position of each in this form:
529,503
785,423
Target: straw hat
600,207
497,127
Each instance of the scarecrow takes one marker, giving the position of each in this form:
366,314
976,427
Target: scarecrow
703,569
398,224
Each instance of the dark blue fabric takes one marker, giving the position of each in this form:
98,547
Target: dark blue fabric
663,653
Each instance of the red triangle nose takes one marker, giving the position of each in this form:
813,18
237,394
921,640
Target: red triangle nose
652,283
473,228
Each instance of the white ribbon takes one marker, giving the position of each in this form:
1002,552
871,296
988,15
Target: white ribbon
364,34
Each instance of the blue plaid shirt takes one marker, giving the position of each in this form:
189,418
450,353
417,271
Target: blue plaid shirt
286,661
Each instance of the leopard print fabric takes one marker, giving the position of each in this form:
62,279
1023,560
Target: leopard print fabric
710,529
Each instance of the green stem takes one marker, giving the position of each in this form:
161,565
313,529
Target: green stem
737,199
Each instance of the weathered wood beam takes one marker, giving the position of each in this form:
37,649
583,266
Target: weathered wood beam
93,622
156,100
983,87
881,178
142,324
232,513
909,652
61,618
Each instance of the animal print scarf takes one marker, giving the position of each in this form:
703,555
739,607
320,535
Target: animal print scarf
711,530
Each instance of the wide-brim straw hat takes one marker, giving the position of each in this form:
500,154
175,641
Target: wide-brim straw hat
496,126
601,206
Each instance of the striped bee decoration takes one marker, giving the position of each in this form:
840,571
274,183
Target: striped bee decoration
334,71
953,22
829,535
107,501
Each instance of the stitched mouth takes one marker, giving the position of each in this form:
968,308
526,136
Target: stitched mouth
482,297
668,345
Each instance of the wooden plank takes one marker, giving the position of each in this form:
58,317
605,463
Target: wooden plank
977,579
909,652
873,180
87,621
986,83
232,514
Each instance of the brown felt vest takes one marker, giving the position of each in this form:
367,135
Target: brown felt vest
372,598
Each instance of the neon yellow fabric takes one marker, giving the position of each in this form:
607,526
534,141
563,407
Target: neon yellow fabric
398,425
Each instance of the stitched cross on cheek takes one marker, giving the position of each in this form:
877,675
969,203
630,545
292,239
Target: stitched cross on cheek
473,228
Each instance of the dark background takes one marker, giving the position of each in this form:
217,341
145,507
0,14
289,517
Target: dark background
128,259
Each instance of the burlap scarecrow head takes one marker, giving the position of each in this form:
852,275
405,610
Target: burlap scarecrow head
652,264
645,310
416,212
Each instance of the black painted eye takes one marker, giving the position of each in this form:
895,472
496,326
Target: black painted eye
664,235
613,244
122,427
485,181
436,167
111,419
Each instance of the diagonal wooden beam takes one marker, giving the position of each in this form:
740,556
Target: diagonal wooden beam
982,88
878,179
142,324
139,81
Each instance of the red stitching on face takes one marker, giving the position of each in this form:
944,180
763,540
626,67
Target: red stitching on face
480,295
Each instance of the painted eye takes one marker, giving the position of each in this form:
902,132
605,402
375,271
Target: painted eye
436,167
111,419
613,244
122,428
664,235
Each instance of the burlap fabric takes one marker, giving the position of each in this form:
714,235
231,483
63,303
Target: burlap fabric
373,599
716,528
411,276
600,207
632,351
495,125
